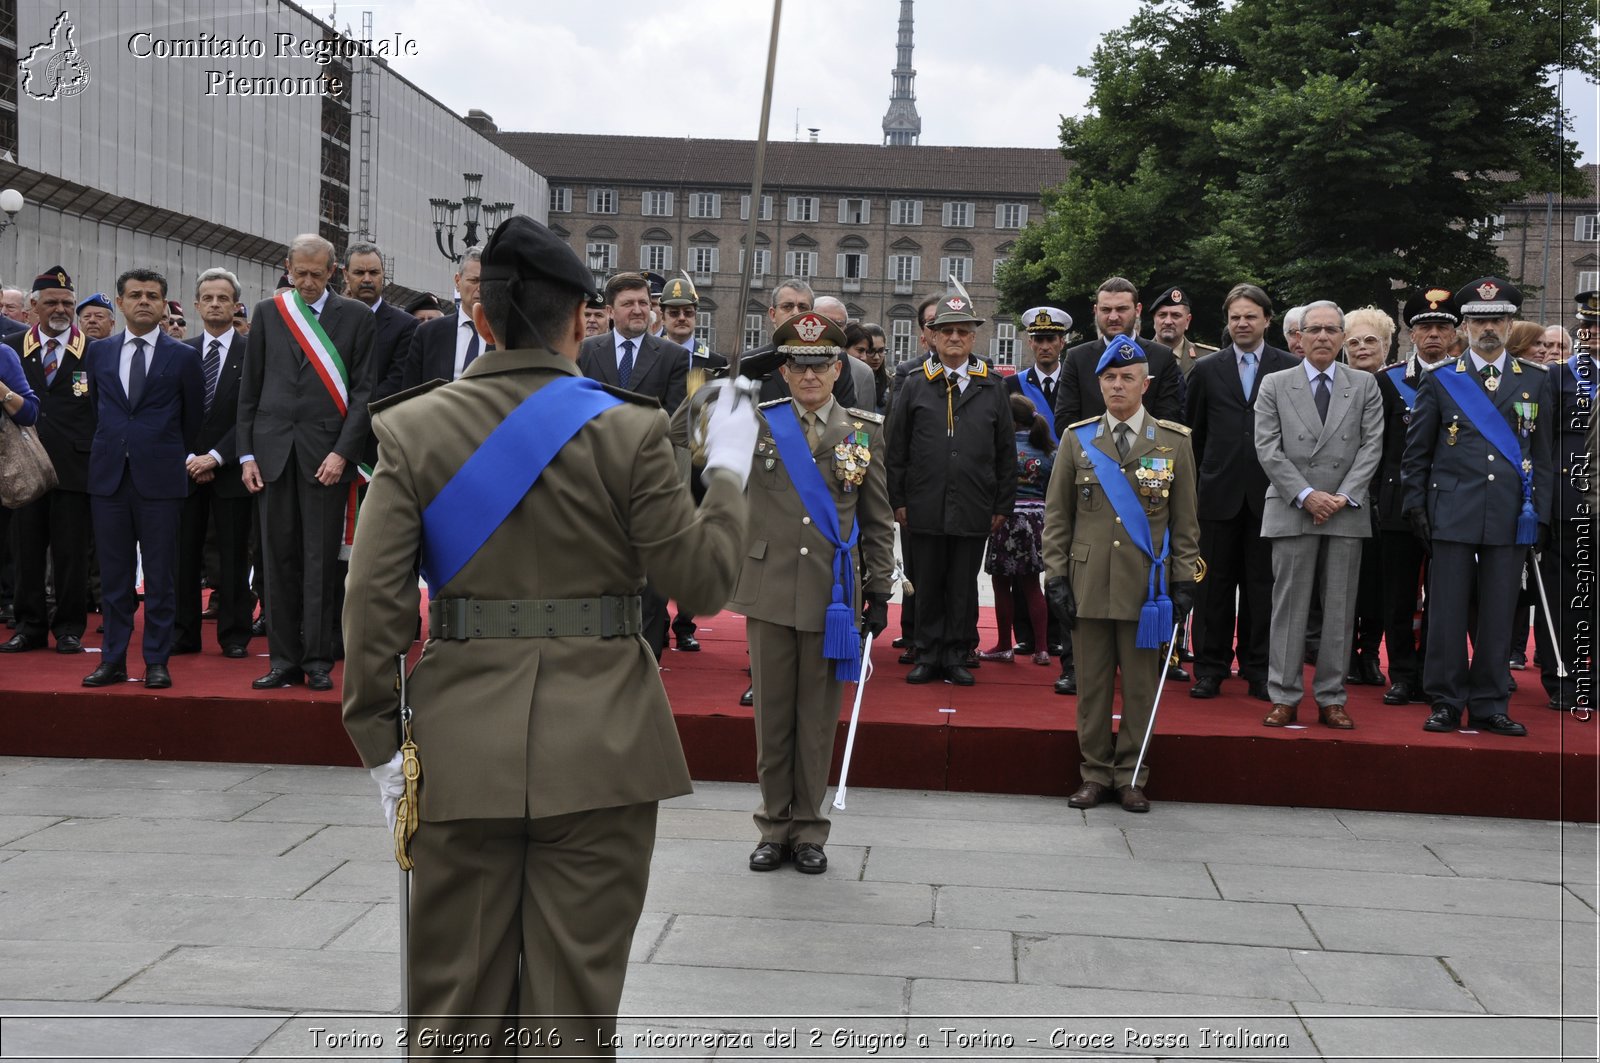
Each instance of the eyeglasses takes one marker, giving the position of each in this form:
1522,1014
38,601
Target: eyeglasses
1321,330
814,370
878,350
794,308
678,311
955,330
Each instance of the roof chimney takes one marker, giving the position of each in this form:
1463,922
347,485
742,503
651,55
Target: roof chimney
481,121
813,130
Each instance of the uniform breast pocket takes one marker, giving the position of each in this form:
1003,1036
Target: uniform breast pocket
1079,555
767,470
1091,496
748,588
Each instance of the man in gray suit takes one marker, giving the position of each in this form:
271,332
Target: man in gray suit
1319,436
302,425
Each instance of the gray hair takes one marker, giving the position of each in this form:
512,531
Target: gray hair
363,248
827,304
217,273
311,244
471,254
1323,304
794,284
1292,319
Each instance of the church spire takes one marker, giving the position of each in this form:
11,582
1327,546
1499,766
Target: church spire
900,123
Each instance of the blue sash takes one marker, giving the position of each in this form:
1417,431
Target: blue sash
1155,617
1397,377
1486,418
1036,396
841,638
499,474
1585,383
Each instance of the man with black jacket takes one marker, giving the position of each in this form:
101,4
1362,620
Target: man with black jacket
1116,313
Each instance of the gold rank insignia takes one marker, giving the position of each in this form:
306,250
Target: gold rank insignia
851,457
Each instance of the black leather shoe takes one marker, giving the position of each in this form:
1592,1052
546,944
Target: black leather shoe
1067,684
1501,724
768,856
108,673
689,644
259,627
1022,649
748,698
319,680
1371,674
156,677
1057,649
1519,661
1513,681
1258,690
958,675
971,660
922,673
1399,694
901,643
69,644
909,657
1207,686
809,859
1177,673
1443,719
279,677
235,652
20,643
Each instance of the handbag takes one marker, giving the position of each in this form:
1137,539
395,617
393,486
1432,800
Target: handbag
25,469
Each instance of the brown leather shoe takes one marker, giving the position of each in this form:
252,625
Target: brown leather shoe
1133,799
1334,716
1089,795
1280,716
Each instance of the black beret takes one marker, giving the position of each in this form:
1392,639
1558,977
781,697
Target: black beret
523,248
54,277
425,301
1171,297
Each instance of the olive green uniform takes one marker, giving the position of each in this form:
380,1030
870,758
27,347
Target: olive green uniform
1189,352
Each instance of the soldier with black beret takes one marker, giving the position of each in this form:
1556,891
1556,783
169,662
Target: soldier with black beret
1170,317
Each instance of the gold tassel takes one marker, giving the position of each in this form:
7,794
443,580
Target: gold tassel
405,819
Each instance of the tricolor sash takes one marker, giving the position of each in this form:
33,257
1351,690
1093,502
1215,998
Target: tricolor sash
352,509
1040,403
316,346
1397,377
841,638
499,474
1155,617
1485,417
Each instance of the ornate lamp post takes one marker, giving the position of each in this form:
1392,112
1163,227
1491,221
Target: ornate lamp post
11,201
478,216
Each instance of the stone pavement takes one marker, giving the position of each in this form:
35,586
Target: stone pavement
167,910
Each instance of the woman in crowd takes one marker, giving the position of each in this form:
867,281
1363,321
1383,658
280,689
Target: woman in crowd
1014,558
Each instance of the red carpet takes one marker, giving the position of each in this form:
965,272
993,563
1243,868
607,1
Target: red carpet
1009,734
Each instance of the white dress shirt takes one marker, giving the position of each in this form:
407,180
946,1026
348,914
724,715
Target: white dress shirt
125,363
206,339
465,330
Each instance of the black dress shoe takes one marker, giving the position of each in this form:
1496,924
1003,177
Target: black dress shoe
1258,690
1023,649
1207,686
809,859
748,698
316,680
1177,673
958,675
20,643
69,644
1057,649
1443,719
278,677
909,657
235,652
156,677
1501,724
971,660
1399,694
901,643
1513,683
689,644
768,856
1371,674
1519,661
258,627
922,673
108,673
1067,684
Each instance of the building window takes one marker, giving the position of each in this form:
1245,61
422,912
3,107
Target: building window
705,205
855,211
754,330
607,253
744,208
802,265
560,200
763,263
1010,215
657,205
703,330
1003,347
1494,226
900,346
999,263
657,257
1588,281
802,208
956,266
958,215
1587,229
905,212
852,268
602,201
904,271
702,260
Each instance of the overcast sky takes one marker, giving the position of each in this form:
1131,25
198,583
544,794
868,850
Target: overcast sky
998,73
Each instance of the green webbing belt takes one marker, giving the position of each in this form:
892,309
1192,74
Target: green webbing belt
606,617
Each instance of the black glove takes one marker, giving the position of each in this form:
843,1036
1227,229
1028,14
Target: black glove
1420,527
1058,592
1542,543
875,614
1182,595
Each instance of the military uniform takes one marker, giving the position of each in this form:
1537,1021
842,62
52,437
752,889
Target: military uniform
542,758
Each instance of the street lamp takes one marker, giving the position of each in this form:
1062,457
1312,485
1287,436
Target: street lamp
597,266
478,216
11,201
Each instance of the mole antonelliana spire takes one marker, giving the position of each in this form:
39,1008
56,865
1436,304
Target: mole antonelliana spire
901,124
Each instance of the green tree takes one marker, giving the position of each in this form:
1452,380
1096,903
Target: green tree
1321,150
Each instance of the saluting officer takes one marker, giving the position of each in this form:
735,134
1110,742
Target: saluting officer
543,730
1122,501
1477,480
819,514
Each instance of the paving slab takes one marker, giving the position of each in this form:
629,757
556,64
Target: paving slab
1232,819
759,999
846,948
1116,874
1419,982
71,970
1473,830
1162,967
704,856
1527,865
1430,934
1338,851
98,1031
992,836
133,774
1518,988
1446,894
1345,1032
311,779
371,842
346,809
290,979
786,894
1132,916
132,835
332,1037
107,802
13,828
167,874
366,881
89,916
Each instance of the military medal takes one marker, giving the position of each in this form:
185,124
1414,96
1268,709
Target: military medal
1493,384
851,457
1453,429
80,385
1527,413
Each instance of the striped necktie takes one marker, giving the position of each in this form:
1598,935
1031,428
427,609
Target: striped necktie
212,367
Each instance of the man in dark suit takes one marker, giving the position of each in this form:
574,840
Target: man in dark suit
302,425
57,525
629,356
791,297
149,399
216,490
1116,313
441,349
1233,489
391,338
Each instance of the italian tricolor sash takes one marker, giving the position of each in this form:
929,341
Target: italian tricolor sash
315,345
352,509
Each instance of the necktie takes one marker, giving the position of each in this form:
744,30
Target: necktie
51,361
1124,439
313,310
212,367
625,367
472,347
1247,373
136,373
1049,390
1323,394
812,427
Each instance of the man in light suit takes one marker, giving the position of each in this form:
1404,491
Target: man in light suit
1319,437
442,349
630,356
149,399
302,426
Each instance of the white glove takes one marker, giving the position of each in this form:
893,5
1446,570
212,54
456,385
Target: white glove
391,786
731,432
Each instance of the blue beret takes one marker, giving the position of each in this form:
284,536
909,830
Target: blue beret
97,299
1119,352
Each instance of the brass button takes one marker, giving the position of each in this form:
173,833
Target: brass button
804,551
1116,542
1117,519
805,520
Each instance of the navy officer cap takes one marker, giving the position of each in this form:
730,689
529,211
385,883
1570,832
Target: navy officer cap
521,248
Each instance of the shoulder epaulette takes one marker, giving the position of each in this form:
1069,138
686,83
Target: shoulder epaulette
773,402
400,396
1086,420
1182,429
1206,348
865,415
632,396
1534,365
